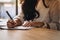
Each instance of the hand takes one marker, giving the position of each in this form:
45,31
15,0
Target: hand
27,24
33,24
13,23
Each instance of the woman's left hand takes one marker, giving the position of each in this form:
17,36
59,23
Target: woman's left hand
27,24
32,24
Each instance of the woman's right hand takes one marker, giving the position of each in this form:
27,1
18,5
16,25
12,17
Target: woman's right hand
14,23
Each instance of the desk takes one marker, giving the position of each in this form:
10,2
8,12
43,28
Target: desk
33,34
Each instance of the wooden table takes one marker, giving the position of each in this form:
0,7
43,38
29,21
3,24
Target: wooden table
33,34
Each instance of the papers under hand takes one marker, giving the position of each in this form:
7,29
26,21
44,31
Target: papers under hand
21,27
17,28
3,22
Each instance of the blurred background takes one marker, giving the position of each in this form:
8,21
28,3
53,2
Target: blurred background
12,6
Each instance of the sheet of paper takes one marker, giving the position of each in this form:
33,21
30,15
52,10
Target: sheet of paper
3,22
17,28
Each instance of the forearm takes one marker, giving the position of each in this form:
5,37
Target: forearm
38,24
19,16
17,22
52,26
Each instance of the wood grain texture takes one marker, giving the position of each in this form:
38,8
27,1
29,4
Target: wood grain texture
33,34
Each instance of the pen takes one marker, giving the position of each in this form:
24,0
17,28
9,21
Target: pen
9,15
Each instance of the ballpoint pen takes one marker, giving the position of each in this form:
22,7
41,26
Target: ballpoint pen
9,15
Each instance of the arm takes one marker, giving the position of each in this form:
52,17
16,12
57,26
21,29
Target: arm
33,24
54,25
51,25
19,16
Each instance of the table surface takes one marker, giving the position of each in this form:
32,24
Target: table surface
32,34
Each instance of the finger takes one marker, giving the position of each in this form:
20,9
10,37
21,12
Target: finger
12,22
9,25
27,25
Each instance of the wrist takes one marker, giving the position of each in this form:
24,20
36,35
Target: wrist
17,22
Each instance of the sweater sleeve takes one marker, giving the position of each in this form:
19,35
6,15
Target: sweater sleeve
50,25
19,16
53,25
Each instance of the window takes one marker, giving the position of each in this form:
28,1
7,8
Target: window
7,5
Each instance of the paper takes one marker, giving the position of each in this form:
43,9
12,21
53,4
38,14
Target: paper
3,22
17,28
